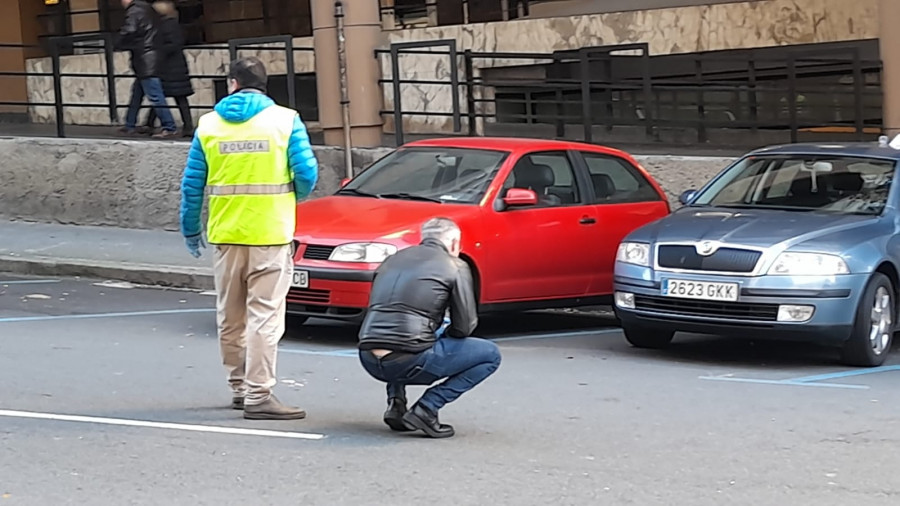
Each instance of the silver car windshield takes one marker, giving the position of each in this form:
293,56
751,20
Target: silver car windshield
842,185
450,175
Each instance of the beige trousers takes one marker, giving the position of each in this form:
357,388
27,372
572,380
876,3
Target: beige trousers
251,285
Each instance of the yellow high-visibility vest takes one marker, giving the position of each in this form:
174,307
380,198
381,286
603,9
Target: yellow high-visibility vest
251,192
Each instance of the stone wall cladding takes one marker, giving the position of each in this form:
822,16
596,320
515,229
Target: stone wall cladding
136,184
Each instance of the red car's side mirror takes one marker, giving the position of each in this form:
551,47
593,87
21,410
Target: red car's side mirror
345,181
517,197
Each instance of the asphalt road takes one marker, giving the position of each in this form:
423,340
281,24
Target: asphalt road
573,416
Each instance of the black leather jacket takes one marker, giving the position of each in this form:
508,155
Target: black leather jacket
412,291
138,35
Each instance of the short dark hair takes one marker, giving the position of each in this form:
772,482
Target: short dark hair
249,72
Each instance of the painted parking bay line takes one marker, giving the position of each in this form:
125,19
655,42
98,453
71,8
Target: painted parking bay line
18,319
786,382
160,425
847,374
30,282
815,380
557,335
354,352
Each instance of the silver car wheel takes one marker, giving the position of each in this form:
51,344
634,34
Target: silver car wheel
882,321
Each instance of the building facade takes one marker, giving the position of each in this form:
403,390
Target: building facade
623,70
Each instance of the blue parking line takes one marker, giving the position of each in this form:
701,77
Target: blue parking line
555,335
845,374
353,352
784,382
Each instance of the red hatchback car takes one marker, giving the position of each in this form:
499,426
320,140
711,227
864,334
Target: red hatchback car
541,222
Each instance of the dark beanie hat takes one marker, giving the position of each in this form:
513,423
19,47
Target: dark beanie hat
249,73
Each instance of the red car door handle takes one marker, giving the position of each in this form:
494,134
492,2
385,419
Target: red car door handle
588,220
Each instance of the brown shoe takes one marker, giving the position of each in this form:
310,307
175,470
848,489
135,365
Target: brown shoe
272,409
165,134
237,403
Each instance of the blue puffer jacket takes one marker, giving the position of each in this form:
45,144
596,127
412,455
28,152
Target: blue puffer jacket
238,108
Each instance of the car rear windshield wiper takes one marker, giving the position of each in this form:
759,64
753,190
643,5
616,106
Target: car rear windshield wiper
409,196
352,191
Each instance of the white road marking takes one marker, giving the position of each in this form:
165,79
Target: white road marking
160,425
29,281
17,319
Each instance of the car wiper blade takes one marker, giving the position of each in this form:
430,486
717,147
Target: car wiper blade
409,196
352,191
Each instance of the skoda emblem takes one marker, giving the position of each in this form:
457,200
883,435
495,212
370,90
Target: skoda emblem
707,248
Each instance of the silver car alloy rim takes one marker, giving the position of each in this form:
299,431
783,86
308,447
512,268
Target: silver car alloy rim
882,321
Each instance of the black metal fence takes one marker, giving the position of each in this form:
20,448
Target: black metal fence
284,89
622,94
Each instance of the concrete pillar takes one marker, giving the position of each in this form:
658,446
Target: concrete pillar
362,32
889,42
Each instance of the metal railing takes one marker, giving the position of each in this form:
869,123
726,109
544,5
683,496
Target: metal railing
594,92
111,77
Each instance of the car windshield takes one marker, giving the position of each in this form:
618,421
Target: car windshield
452,175
833,184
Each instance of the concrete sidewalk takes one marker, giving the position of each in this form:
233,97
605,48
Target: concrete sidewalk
139,256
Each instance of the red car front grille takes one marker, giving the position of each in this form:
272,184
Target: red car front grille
308,296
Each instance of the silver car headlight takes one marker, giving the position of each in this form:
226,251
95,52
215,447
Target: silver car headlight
363,252
808,264
635,253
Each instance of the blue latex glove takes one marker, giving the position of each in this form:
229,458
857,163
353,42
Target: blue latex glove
443,328
194,243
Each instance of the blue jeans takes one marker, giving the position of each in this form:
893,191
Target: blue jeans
152,88
464,362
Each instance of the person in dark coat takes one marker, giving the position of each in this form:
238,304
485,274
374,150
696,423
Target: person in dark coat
173,69
138,36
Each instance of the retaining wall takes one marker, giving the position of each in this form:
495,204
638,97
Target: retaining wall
136,184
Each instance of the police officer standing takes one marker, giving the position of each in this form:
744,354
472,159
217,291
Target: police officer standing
256,160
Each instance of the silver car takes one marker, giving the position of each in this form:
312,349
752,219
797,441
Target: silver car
795,242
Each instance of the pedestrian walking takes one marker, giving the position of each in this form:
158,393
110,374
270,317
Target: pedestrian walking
257,162
138,35
399,342
173,71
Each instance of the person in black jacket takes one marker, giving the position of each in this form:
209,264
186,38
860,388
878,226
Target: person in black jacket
138,35
402,342
173,70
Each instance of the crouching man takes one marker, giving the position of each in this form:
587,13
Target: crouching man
398,345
